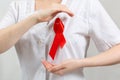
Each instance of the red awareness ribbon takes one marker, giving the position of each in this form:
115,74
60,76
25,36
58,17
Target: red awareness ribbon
59,39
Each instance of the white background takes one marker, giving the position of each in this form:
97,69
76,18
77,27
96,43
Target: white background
9,64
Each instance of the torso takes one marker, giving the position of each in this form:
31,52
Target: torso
36,43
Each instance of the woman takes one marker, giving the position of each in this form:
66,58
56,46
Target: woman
90,20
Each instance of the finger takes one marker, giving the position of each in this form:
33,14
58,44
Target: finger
60,72
46,65
63,8
50,63
57,68
65,11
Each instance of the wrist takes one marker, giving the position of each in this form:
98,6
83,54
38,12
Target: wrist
34,18
39,17
82,63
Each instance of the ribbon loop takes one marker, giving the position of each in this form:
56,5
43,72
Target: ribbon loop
58,26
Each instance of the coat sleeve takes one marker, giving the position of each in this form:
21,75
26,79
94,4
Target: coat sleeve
10,17
103,30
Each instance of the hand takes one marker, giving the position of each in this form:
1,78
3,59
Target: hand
48,14
64,67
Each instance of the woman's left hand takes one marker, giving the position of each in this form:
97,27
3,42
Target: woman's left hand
65,67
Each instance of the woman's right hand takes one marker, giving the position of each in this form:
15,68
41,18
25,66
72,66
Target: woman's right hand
47,14
10,35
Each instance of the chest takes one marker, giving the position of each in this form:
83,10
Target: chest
74,26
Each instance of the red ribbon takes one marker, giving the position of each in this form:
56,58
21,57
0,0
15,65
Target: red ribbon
59,39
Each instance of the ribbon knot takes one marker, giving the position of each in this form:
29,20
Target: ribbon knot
59,39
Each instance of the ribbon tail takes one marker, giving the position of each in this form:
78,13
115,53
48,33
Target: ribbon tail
62,41
54,47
